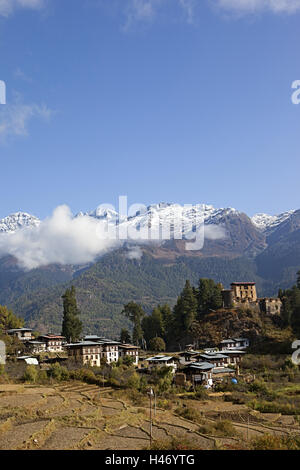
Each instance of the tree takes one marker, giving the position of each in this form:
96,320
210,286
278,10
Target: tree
157,344
185,310
125,336
153,325
135,313
209,296
8,320
72,326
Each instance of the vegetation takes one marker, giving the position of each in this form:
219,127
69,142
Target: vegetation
72,326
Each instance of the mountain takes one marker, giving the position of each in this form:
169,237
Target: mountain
17,221
264,248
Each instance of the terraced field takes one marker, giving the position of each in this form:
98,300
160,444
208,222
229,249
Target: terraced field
80,416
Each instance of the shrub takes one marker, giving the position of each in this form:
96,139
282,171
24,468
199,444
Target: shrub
157,344
31,374
270,442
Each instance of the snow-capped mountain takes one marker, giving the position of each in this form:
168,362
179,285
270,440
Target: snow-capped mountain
267,223
16,221
157,215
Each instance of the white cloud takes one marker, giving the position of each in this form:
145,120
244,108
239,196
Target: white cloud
253,6
7,7
145,11
60,238
15,118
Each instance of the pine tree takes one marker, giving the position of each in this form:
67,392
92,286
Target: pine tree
135,313
125,336
209,296
72,326
185,309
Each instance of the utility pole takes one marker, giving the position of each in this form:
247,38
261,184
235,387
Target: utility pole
151,395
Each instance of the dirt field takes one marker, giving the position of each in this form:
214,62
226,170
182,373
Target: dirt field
81,416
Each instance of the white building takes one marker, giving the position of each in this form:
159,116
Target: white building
163,361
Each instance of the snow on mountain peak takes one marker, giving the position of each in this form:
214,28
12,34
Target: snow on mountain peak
267,223
16,221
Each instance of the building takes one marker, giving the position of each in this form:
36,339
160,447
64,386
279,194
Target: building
54,343
128,350
109,348
36,347
271,306
23,334
217,359
244,294
244,291
234,343
163,361
234,356
86,353
200,373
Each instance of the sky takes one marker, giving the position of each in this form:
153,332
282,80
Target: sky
185,101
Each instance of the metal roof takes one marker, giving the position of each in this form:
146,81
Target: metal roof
201,365
160,358
222,370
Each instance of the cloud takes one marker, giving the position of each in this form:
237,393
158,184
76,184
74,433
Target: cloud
134,252
253,6
15,118
145,11
7,7
61,238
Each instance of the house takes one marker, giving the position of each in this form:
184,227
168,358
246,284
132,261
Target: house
110,348
189,356
36,347
29,360
128,350
23,334
199,373
163,361
54,343
218,359
234,356
85,352
220,372
234,343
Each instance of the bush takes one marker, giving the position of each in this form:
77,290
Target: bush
270,442
31,374
157,344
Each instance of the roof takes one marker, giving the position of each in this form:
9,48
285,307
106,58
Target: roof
233,351
128,346
213,356
15,330
201,365
83,344
228,341
52,336
29,360
160,358
222,370
240,283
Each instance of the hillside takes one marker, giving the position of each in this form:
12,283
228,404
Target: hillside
264,249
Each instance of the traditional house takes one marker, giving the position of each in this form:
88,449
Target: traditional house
234,356
163,361
36,347
199,373
85,352
234,343
109,350
128,350
54,343
216,358
23,334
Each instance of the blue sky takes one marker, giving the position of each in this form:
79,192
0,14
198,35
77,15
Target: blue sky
183,101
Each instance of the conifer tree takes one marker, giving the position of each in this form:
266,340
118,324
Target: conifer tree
72,326
135,313
185,309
